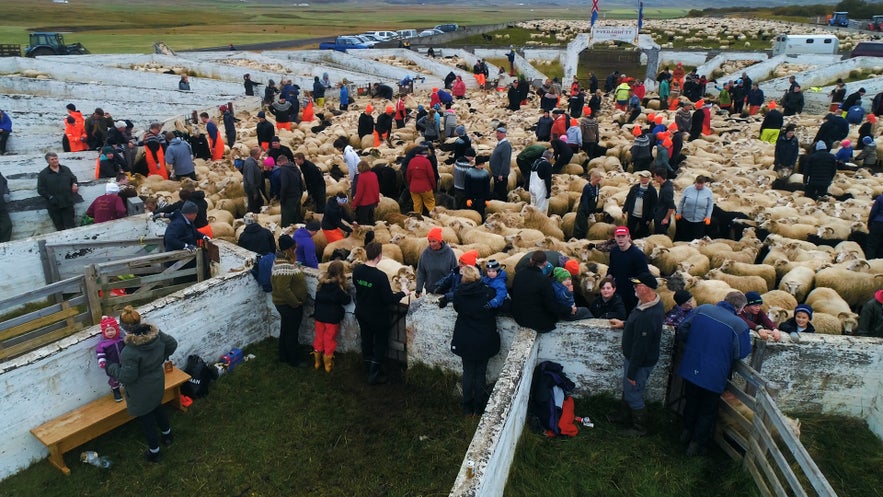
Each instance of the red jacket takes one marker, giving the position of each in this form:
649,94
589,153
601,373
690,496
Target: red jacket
107,207
459,89
367,190
420,176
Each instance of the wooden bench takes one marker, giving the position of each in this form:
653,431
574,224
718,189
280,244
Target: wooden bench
96,418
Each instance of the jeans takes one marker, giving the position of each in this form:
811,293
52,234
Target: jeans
700,413
150,421
474,385
288,333
634,394
375,339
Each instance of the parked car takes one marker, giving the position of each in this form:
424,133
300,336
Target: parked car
447,28
370,37
407,33
430,32
366,40
343,43
384,35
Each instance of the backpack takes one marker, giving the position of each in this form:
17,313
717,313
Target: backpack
549,395
201,376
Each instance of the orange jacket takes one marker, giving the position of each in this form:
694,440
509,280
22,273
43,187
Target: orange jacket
76,132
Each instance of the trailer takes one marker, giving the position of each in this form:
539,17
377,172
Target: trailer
805,44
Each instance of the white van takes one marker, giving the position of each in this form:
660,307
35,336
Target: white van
806,44
407,33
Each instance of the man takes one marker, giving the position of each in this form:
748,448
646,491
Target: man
253,181
834,128
589,127
58,185
870,321
772,124
525,159
588,203
819,171
289,288
107,207
264,131
544,127
793,102
626,262
373,298
351,159
664,210
477,185
852,100
291,190
436,261
533,299
255,237
5,221
75,139
249,85
366,122
229,124
383,128
281,110
215,140
314,180
277,149
5,130
641,334
179,157
96,128
501,158
639,205
154,144
181,233
462,164
541,182
713,337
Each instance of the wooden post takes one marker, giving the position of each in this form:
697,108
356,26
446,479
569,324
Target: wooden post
200,264
91,290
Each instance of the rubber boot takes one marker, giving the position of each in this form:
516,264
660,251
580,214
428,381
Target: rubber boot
375,374
317,359
622,416
639,423
329,362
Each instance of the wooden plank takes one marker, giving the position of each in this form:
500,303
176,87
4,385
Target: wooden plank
758,479
43,292
754,378
24,347
32,325
766,469
782,464
91,292
143,241
110,267
741,396
142,297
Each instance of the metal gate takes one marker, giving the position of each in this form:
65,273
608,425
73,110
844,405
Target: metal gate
603,61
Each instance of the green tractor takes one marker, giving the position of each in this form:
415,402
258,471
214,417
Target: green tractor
52,44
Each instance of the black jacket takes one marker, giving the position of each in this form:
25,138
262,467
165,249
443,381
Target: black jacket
649,201
366,124
772,120
291,184
313,177
257,239
265,131
612,309
180,232
55,187
787,151
820,168
664,202
475,330
329,302
642,335
533,301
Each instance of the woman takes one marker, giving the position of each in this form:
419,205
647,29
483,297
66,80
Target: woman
609,304
333,224
694,211
367,194
459,88
289,294
475,337
140,370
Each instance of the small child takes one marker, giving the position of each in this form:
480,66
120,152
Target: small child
448,285
331,296
562,285
109,350
798,324
495,277
844,155
683,306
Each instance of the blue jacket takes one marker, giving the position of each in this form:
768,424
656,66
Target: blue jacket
714,337
498,285
180,232
305,253
448,285
562,294
6,122
262,271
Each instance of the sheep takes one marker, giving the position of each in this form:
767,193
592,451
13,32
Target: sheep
667,259
532,218
765,271
744,284
778,298
826,324
411,247
824,299
705,291
495,242
696,265
798,282
856,288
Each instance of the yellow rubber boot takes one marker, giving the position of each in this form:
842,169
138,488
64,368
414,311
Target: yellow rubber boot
329,362
317,359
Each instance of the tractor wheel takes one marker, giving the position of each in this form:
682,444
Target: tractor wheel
41,51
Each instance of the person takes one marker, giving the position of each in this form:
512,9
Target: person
229,124
608,304
181,234
713,338
562,284
435,262
344,96
844,154
621,96
838,94
500,161
291,189
215,140
449,283
870,320
108,163
333,225
141,371
834,128
475,338
682,308
868,128
772,123
590,134
511,57
449,123
179,157
462,165
755,318
332,294
787,150
513,96
541,181
588,203
799,323
561,152
97,126
401,114
664,209
264,131
852,100
373,299
525,160
641,335
754,98
108,351
641,155
5,130
255,237
366,122
477,185
684,117
314,181
58,185
792,103
383,91
544,127
874,244
288,295
281,110
249,85
495,277
819,171
305,254
429,125
367,194
107,207
868,155
318,92
5,220
253,181
626,262
270,92
533,298
694,210
634,107
75,139
184,83
639,206
277,148
421,182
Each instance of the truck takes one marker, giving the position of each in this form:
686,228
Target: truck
343,43
839,19
876,23
51,43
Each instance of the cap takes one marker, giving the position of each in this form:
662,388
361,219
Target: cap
636,131
262,114
878,295
673,126
286,242
469,258
111,188
119,124
71,107
107,149
369,108
275,139
682,297
820,145
389,109
269,162
659,119
189,208
572,267
313,226
804,308
222,108
460,130
644,174
557,111
469,152
560,274
108,322
501,129
645,279
651,117
435,234
621,230
753,298
495,265
868,140
872,118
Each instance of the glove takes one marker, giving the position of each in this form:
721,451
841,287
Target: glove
678,217
442,302
707,221
157,215
469,203
102,363
190,248
206,238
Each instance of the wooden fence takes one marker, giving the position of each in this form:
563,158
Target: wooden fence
764,440
65,260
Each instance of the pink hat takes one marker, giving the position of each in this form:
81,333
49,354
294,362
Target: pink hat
109,323
845,143
878,296
269,162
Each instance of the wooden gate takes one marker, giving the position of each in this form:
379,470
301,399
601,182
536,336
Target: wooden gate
603,61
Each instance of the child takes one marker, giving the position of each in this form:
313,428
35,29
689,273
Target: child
844,155
495,277
563,288
109,350
798,324
448,285
683,306
331,296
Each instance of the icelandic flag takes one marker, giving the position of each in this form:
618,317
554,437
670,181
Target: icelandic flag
640,15
594,12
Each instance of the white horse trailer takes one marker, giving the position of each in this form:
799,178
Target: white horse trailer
805,44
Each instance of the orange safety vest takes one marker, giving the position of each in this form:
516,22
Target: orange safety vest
156,166
217,147
308,114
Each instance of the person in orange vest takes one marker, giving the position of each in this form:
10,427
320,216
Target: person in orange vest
74,131
154,151
215,141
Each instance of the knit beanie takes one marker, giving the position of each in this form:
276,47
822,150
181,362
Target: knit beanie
108,323
804,308
560,274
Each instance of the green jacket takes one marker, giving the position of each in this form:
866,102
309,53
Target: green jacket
870,321
141,368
